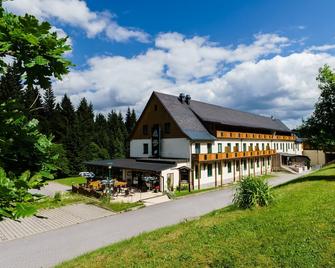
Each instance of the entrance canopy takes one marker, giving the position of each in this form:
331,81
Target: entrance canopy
134,164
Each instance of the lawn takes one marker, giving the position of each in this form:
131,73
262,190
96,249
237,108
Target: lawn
297,230
71,180
182,193
71,198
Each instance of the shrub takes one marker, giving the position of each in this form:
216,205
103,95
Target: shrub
252,192
58,197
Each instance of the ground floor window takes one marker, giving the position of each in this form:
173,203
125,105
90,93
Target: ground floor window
237,164
219,168
252,163
263,160
196,172
229,167
145,148
244,164
209,170
257,162
269,161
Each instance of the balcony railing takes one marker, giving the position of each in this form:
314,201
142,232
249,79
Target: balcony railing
256,136
231,155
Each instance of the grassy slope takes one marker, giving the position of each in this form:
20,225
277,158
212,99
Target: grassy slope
296,231
71,180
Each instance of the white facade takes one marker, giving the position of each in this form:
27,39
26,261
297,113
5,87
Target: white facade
280,146
214,173
170,148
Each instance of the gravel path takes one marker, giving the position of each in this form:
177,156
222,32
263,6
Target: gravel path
49,248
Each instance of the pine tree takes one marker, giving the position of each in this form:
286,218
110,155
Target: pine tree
101,132
68,132
85,117
130,124
49,113
11,86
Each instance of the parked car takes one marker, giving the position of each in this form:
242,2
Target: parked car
87,175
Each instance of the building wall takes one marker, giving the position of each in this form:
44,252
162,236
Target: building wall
234,175
170,148
136,148
280,146
175,148
155,114
317,157
174,172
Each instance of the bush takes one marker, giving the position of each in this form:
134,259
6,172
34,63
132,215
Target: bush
58,197
252,192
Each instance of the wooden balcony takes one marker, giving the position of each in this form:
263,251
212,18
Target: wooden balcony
232,155
256,136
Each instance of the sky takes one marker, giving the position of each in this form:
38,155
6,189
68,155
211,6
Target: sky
260,56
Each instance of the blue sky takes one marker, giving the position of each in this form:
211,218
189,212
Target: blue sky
257,56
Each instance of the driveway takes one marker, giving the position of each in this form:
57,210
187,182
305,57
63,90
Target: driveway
50,248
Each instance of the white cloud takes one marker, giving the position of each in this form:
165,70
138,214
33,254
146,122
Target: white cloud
321,48
77,14
244,77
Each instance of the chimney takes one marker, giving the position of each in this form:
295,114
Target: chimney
188,99
181,97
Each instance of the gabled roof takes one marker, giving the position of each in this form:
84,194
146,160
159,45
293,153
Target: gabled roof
184,117
189,117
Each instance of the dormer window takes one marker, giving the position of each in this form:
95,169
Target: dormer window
155,107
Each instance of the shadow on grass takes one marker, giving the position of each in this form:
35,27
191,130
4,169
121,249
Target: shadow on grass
309,178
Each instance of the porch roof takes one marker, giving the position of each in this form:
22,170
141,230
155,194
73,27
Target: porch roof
129,163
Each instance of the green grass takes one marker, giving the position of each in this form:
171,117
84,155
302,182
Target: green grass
297,230
71,198
182,193
71,180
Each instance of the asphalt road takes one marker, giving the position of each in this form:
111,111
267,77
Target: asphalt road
50,248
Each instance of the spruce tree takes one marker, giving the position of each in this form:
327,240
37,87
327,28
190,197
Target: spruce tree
85,117
68,127
49,105
11,86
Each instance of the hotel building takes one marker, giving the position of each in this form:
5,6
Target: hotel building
180,141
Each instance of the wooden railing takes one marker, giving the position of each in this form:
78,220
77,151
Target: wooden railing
256,136
232,155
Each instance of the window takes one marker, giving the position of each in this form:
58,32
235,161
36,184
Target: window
245,164
196,172
209,148
229,147
145,148
237,147
257,162
197,148
257,146
251,163
219,147
145,129
229,167
167,128
244,147
251,147
209,170
237,165
156,107
263,147
263,160
277,146
268,161
219,168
